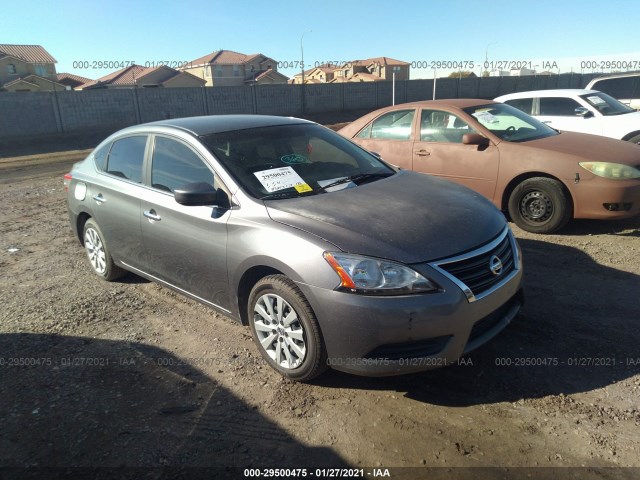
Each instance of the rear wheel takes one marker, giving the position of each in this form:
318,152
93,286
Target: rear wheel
98,253
540,205
285,329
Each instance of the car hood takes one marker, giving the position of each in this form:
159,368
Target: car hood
588,147
630,121
408,217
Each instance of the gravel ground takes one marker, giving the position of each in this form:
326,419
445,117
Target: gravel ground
129,374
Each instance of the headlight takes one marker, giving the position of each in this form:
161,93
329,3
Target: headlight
372,276
614,171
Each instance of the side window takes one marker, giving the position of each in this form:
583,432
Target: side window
623,87
174,164
558,106
524,104
126,157
393,125
439,126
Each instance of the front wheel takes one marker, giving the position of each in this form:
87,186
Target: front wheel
635,139
540,205
285,329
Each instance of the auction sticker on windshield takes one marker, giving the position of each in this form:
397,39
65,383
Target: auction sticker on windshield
281,178
484,116
596,100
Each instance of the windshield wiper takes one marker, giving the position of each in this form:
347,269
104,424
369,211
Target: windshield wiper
285,195
353,178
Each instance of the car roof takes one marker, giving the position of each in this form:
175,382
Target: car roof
208,124
447,102
559,92
617,75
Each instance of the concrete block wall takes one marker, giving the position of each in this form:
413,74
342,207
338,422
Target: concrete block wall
97,109
162,103
41,113
28,113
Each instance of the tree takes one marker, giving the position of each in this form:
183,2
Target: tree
462,74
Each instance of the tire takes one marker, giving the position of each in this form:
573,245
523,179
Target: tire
285,329
635,139
98,253
540,205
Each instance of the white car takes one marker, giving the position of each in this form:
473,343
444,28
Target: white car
578,110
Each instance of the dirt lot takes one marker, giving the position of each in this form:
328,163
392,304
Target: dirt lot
130,374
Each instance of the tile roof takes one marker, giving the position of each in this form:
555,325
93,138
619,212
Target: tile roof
271,73
70,76
32,76
20,80
28,53
132,74
365,76
124,76
226,57
384,61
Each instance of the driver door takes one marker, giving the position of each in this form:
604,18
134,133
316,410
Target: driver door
439,151
559,113
390,136
185,246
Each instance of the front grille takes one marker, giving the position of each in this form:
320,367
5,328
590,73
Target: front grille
485,324
473,271
416,349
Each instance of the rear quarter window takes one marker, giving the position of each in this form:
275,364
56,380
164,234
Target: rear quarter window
100,157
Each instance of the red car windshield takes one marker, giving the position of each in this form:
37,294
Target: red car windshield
509,123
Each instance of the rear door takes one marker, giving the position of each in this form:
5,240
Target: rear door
185,246
439,151
116,197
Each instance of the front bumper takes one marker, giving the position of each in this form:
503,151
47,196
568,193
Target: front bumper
593,197
377,336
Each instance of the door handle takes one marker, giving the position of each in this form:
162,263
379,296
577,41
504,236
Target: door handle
99,198
152,215
423,153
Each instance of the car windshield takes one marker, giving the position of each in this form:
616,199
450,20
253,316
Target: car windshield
286,161
509,123
606,104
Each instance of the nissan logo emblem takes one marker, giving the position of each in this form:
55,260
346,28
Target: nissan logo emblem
495,265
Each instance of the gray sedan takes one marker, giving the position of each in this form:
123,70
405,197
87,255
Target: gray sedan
331,256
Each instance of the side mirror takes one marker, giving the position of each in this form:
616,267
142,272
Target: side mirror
583,112
475,139
201,194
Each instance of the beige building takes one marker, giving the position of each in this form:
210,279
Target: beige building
370,70
225,68
136,76
27,68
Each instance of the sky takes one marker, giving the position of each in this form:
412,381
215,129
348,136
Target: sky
562,35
